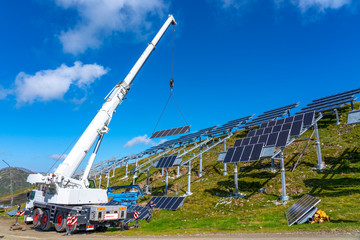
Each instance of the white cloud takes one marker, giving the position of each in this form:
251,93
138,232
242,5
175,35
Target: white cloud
58,157
101,18
143,140
303,5
48,85
319,5
4,92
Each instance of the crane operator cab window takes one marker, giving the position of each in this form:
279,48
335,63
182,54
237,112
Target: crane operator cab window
91,183
30,195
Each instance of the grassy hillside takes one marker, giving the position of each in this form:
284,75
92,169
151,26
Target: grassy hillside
18,178
210,209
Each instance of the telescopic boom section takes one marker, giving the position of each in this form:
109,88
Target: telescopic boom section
99,125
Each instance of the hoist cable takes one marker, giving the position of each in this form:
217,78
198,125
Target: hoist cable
179,109
162,113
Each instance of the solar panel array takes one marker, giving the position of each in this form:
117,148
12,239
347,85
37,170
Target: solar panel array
331,102
273,133
169,203
227,127
271,115
144,212
305,204
171,132
166,162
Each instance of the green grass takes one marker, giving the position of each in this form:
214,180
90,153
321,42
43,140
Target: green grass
210,209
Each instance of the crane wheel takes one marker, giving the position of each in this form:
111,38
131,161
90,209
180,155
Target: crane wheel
45,221
60,221
37,217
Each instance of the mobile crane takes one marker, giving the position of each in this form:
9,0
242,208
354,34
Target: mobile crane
58,196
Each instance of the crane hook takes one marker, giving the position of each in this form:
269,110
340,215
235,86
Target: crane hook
171,84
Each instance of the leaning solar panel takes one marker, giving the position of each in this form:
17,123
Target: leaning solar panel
171,132
327,104
287,107
169,203
144,213
305,204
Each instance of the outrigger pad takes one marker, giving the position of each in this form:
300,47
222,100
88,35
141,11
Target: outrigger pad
171,132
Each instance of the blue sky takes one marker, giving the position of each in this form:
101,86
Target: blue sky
233,58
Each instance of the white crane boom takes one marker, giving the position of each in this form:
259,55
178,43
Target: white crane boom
99,125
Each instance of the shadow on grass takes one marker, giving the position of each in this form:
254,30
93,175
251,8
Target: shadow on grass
330,186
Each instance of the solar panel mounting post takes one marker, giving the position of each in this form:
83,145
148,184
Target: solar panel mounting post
236,193
272,164
188,193
147,182
100,181
225,170
108,178
166,180
284,197
337,116
318,147
177,171
200,164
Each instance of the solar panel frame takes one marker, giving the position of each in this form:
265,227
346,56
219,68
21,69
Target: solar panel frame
179,202
296,128
268,130
309,118
288,107
259,132
254,140
245,141
238,142
272,139
282,138
246,153
329,103
256,152
237,154
229,154
251,133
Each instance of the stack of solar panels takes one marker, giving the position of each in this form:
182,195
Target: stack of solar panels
227,127
144,213
304,208
272,133
166,162
271,115
170,132
169,203
330,102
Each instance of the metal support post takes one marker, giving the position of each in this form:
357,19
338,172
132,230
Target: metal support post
100,181
166,180
318,148
108,178
225,170
272,164
189,180
236,193
126,171
178,171
337,117
284,197
147,182
200,165
162,172
113,172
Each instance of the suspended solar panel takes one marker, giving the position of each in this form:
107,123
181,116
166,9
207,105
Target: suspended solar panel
171,132
169,203
166,162
331,102
297,211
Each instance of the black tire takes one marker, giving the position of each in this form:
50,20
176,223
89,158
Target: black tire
60,221
102,229
45,221
37,217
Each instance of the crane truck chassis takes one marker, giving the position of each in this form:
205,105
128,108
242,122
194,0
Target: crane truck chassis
70,203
